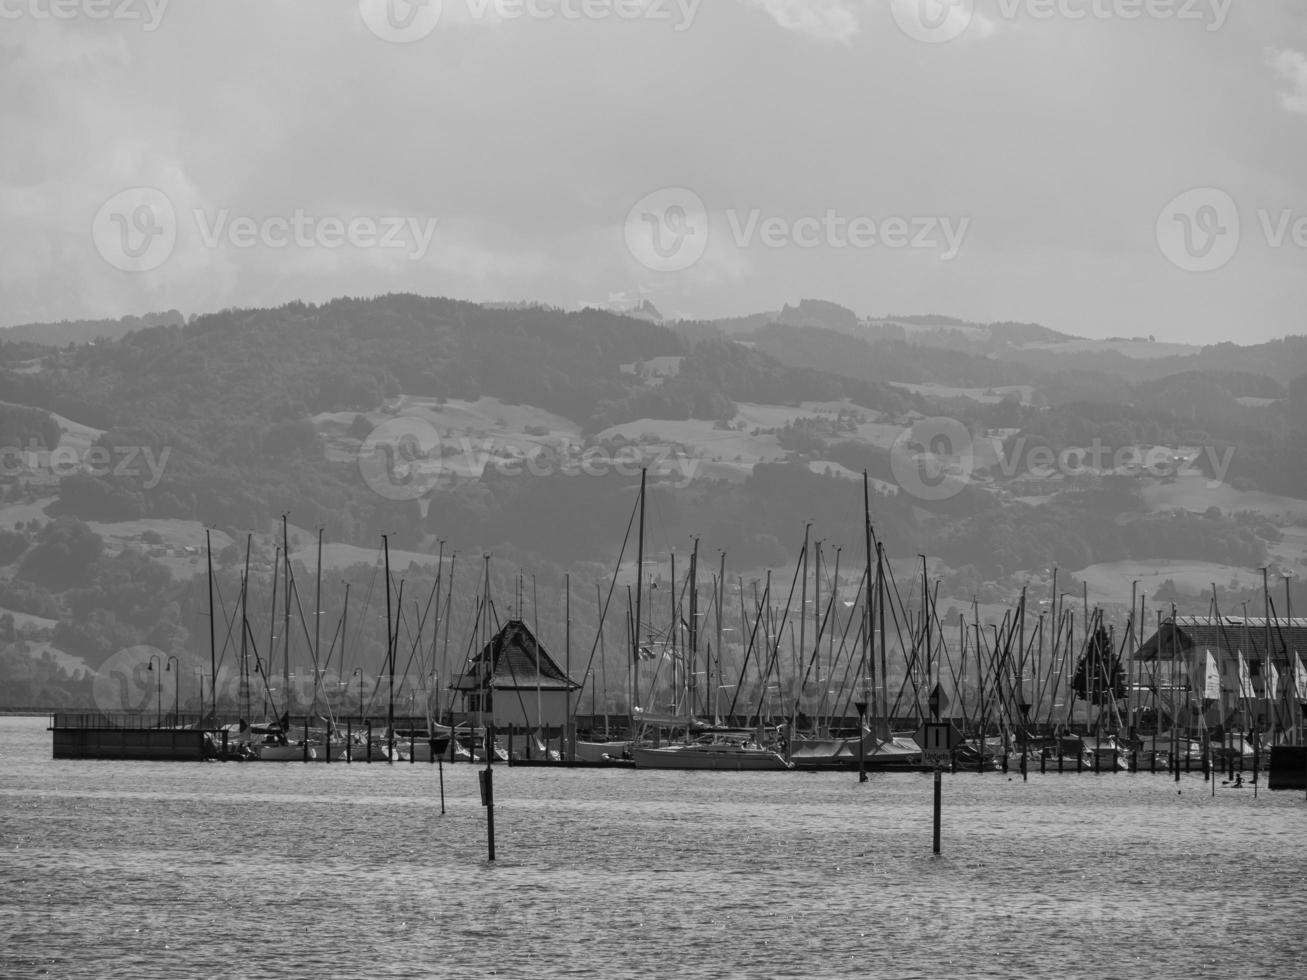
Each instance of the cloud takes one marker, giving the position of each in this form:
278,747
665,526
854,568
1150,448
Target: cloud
821,20
1291,66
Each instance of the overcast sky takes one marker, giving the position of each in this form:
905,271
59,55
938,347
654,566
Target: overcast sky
1011,159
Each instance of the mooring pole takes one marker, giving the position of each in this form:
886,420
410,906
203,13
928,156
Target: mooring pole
939,778
862,741
440,763
488,791
935,698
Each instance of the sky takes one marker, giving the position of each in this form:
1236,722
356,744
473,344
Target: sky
1105,167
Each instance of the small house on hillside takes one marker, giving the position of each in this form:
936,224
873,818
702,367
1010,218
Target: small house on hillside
516,680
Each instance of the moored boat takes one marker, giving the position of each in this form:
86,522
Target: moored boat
722,755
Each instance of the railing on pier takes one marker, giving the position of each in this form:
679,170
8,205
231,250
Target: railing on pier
124,720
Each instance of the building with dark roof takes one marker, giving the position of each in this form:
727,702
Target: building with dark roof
1175,658
517,681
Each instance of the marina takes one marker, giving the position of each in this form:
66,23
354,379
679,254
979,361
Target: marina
156,870
1058,690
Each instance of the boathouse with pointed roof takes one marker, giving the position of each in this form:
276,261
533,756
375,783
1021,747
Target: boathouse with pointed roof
1176,655
516,679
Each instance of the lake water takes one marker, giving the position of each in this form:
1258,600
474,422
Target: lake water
285,870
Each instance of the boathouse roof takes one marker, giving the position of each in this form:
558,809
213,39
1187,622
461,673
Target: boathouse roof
517,661
1181,635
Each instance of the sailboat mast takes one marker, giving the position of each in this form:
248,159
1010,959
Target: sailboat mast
880,618
816,624
245,656
213,654
285,630
317,624
692,657
715,681
272,635
390,655
639,590
869,606
569,720
803,622
344,635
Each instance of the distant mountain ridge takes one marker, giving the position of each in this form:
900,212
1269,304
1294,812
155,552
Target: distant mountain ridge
85,331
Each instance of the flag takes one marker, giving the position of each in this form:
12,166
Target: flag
1272,681
1212,682
1245,679
646,654
1299,677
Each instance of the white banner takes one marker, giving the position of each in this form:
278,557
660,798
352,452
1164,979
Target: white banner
1245,679
1212,682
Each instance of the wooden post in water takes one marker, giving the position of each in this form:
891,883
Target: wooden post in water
939,772
349,740
440,763
939,776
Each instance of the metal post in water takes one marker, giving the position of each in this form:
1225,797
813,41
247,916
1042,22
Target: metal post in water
441,766
369,724
488,789
862,742
306,736
349,741
939,778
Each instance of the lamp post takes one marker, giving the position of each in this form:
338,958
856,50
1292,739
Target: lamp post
358,672
176,683
158,688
